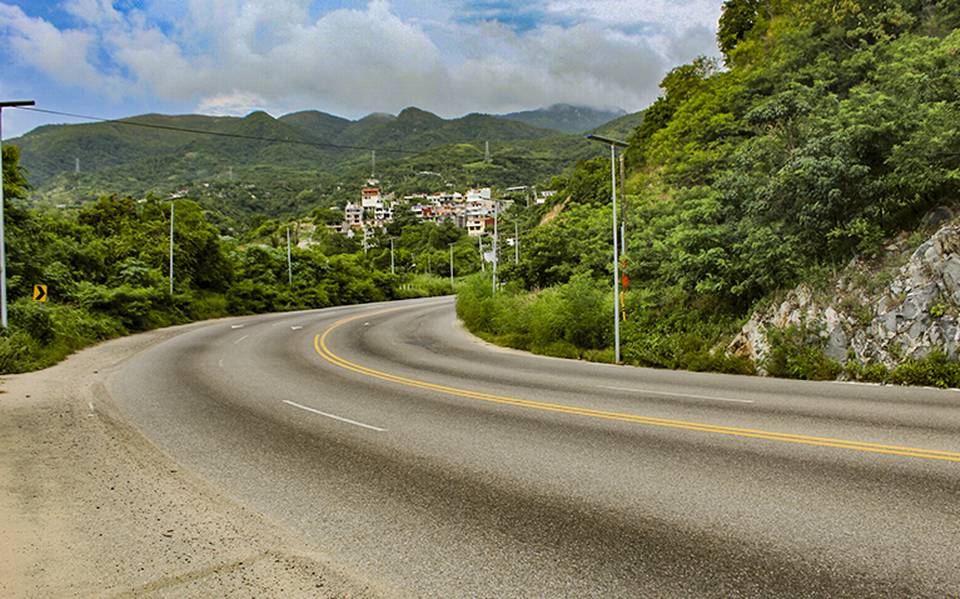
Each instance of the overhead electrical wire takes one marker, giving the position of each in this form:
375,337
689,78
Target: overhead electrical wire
131,123
319,144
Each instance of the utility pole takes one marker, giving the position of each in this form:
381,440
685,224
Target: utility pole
171,247
483,266
616,258
77,169
496,217
3,239
516,243
393,268
623,207
486,151
289,260
451,266
614,144
373,164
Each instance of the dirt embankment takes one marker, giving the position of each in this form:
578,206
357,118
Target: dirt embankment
88,507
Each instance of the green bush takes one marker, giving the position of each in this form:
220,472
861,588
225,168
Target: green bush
475,304
796,352
18,352
936,370
869,373
32,318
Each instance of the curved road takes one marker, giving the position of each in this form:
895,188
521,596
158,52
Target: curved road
430,464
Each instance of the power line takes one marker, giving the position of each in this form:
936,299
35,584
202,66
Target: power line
130,123
319,144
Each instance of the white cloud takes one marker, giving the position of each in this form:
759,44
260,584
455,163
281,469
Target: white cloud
232,56
676,15
61,54
232,104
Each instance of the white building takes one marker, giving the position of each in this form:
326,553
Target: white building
371,198
543,196
352,216
474,195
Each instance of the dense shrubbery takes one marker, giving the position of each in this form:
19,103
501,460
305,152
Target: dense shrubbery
834,126
574,320
796,352
105,266
563,321
935,370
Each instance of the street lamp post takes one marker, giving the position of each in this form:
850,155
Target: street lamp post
614,144
3,239
172,205
289,260
483,266
516,243
451,266
393,268
496,217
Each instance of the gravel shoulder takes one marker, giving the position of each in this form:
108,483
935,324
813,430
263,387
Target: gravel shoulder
89,507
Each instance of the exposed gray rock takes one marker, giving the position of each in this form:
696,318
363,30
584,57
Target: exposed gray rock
912,316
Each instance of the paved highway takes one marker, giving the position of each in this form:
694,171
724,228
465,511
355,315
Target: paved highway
430,464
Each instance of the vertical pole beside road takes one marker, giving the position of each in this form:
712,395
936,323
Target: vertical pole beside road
616,257
289,261
3,238
171,247
172,216
483,267
393,269
516,243
496,216
614,144
451,267
623,206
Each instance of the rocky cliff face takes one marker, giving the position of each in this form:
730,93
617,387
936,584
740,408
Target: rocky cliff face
904,304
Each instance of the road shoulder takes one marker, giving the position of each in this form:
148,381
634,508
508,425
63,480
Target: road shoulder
89,507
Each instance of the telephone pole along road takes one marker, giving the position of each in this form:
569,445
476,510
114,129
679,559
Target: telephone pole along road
390,439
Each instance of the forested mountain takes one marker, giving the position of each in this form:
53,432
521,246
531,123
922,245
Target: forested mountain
261,166
565,117
832,127
106,268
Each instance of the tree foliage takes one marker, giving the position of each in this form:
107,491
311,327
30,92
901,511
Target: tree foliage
106,270
834,126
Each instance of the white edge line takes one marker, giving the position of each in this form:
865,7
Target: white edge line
296,328
236,326
335,417
220,363
668,394
240,339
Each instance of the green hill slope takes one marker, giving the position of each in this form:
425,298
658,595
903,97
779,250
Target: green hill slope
259,166
565,117
832,130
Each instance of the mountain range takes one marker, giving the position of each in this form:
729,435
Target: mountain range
260,165
566,117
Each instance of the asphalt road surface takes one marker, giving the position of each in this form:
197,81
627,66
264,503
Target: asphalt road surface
431,464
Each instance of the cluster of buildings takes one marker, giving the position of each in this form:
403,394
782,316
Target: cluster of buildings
473,210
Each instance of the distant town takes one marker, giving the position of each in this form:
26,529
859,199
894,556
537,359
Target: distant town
472,210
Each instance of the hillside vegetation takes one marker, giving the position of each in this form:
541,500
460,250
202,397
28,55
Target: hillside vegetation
832,126
566,118
290,165
105,267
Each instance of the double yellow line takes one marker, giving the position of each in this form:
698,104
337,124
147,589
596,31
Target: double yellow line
320,345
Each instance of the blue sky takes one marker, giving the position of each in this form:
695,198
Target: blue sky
123,57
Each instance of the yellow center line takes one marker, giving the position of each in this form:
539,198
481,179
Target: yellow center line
320,345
